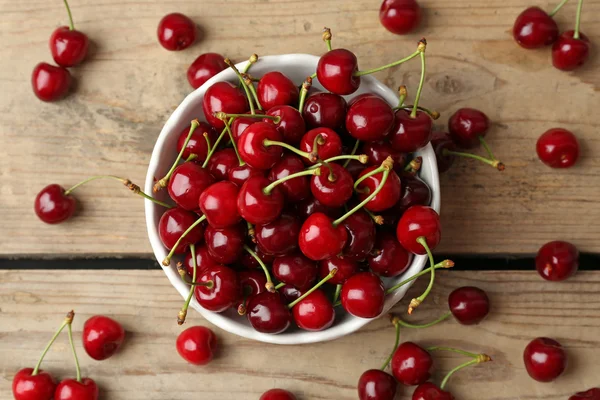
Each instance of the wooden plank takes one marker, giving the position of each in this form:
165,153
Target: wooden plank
130,85
523,307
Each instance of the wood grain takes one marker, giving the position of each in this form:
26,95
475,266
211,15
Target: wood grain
129,86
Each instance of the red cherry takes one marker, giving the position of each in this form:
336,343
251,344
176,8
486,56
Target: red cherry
252,283
252,148
361,236
239,125
295,270
218,204
197,345
295,189
430,391
222,162
369,118
50,83
591,394
314,312
354,168
469,305
400,16
414,192
419,221
225,245
102,337
325,110
345,269
276,89
331,147
311,205
363,295
197,144
333,187
545,359
336,69
205,67
171,226
534,28
176,32
225,97
187,184
68,46
289,293
277,394
242,173
224,292
375,384
442,141
257,207
557,260
33,387
279,237
378,151
203,260
320,239
291,125
52,206
569,53
70,389
558,148
410,134
387,196
250,262
411,364
389,258
267,313
466,125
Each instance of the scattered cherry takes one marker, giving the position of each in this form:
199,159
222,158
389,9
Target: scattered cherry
375,384
466,126
26,386
197,345
469,305
411,364
430,391
53,206
71,389
591,394
50,83
557,260
176,32
205,67
277,394
534,28
102,337
558,148
400,16
569,53
363,295
545,359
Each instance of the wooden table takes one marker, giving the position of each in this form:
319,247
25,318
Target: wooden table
130,85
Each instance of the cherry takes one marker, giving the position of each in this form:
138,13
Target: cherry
276,89
203,260
26,386
558,148
71,389
295,189
570,53
186,184
290,293
378,151
329,146
311,205
197,144
242,173
361,236
467,126
389,258
205,67
416,222
545,359
469,305
557,260
336,71
591,394
277,394
257,206
314,312
279,237
534,28
173,223
291,125
197,345
430,391
296,270
333,187
388,195
252,283
442,141
267,313
239,124
218,204
221,288
369,118
410,133
252,148
345,269
414,192
400,16
50,83
327,110
223,97
249,261
411,364
363,295
53,206
222,162
68,46
354,168
225,245
176,32
320,238
375,384
102,337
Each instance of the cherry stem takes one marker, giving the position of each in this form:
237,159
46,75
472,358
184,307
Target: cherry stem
486,147
162,183
578,19
494,163
557,8
336,295
301,153
480,358
443,264
183,312
413,114
251,232
309,291
362,158
208,145
452,349
432,113
402,93
279,285
367,175
422,326
243,83
228,129
275,118
71,24
353,152
269,285
167,261
378,219
313,76
70,332
66,322
303,92
214,147
192,157
327,37
416,302
253,59
414,165
250,83
267,190
396,343
420,49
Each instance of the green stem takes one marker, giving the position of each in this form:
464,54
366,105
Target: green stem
353,152
318,285
362,158
413,114
367,175
279,285
557,8
427,325
152,199
66,322
396,343
275,118
402,94
452,349
242,82
327,38
237,154
71,24
212,150
269,285
443,264
494,163
313,76
395,63
447,377
303,92
253,58
78,369
162,183
267,190
486,147
301,153
414,303
93,178
208,146
432,113
254,95
192,157
336,295
183,312
578,19
167,261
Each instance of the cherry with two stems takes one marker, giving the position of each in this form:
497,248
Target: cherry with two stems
557,260
558,148
176,32
572,49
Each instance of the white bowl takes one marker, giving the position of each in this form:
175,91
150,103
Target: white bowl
297,67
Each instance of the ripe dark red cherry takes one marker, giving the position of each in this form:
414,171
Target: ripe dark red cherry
363,295
171,226
369,118
52,205
345,269
557,260
252,148
250,262
545,359
295,189
375,384
388,257
224,292
225,245
336,70
378,151
331,147
289,293
203,260
332,187
102,337
325,110
558,148
411,364
279,237
176,32
268,314
410,134
414,192
218,203
466,125
469,305
225,97
205,67
419,221
400,16
242,173
197,144
222,162
430,391
187,183
197,345
591,394
70,389
320,239
277,394
296,270
569,53
361,237
276,89
50,83
309,206
68,46
441,141
387,196
291,125
534,28
257,207
252,283
239,125
314,312
33,387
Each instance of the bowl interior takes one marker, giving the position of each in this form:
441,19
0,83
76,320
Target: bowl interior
297,67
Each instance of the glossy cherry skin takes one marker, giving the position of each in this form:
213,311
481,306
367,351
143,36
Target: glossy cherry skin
295,189
226,97
250,262
173,223
319,239
257,207
50,83
331,147
430,391
410,134
569,53
102,337
276,89
239,125
197,345
296,270
221,163
591,394
361,236
545,359
335,71
68,47
469,305
442,141
176,32
52,206
279,237
387,196
363,295
414,192
378,151
252,149
419,221
389,258
557,260
411,364
314,312
325,110
346,267
33,387
558,148
332,188
375,384
70,389
369,118
203,261
534,28
197,144
289,293
291,125
309,206
466,125
400,16
218,203
205,67
187,184
277,394
268,314
252,283
225,290
242,173
225,245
